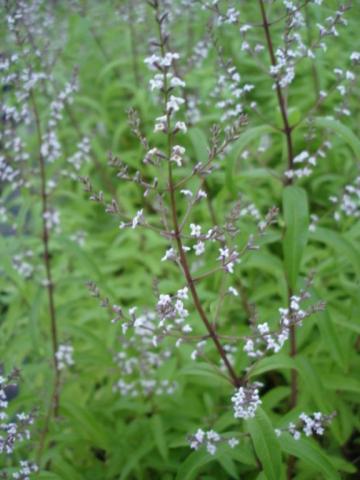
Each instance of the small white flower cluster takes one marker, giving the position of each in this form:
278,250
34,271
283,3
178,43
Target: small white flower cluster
137,220
81,155
210,440
195,232
348,204
229,258
177,155
263,340
246,400
229,92
79,237
140,356
314,221
50,145
9,174
156,62
22,265
250,210
172,312
307,161
198,350
52,220
14,429
355,58
64,356
284,70
231,16
26,469
331,23
166,81
307,424
199,54
346,79
159,80
145,387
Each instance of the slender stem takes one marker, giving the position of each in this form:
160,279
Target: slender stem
177,233
55,396
192,288
287,129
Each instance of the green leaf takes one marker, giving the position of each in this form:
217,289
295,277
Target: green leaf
135,458
229,466
330,335
342,130
200,144
90,426
245,138
205,371
336,381
266,444
296,217
158,430
310,453
313,383
341,246
48,476
275,362
192,465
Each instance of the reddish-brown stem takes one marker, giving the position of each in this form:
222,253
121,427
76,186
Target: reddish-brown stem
287,129
54,401
235,380
197,303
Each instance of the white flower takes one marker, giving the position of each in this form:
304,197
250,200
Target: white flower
183,293
136,220
245,28
181,127
301,157
187,328
195,230
199,248
233,442
263,328
170,254
201,194
156,83
160,124
173,104
211,448
233,291
245,401
64,356
177,82
177,155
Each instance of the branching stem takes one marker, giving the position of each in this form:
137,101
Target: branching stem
287,129
55,396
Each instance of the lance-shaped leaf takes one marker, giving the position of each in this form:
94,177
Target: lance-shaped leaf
296,217
266,444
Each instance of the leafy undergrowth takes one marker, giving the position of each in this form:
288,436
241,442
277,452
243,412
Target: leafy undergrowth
131,400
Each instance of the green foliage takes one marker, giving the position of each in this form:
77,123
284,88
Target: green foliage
100,435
